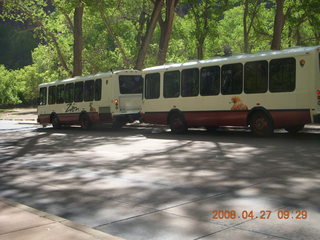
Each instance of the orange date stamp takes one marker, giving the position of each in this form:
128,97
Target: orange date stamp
263,214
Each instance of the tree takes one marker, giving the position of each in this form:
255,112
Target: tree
78,40
205,15
166,29
248,25
279,21
158,4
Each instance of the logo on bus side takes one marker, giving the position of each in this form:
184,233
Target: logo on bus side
238,104
72,108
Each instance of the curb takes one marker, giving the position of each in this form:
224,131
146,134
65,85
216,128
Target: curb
76,226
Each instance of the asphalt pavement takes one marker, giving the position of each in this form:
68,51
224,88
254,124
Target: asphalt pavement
145,183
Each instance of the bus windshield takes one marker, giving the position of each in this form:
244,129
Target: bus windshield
130,84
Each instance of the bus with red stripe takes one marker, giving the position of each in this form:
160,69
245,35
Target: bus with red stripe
106,98
263,91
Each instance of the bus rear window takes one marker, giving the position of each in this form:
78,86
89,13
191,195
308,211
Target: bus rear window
130,84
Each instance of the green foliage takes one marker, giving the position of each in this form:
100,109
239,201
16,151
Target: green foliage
15,46
214,25
10,86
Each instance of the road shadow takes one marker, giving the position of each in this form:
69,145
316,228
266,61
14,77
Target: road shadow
74,173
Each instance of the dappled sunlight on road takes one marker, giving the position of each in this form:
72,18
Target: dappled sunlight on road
116,175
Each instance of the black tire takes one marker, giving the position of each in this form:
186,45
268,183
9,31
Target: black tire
55,122
177,123
85,122
261,124
294,129
118,124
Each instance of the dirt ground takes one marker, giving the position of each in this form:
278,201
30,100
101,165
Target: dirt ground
27,114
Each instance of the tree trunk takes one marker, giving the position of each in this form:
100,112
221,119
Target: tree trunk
166,29
78,41
147,38
200,48
278,25
245,27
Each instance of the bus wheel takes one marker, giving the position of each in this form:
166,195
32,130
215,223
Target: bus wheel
294,129
260,124
85,122
177,124
55,122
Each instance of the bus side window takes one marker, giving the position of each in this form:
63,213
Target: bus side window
78,92
60,93
190,82
171,84
52,95
43,96
152,86
89,90
210,81
256,77
282,74
231,78
69,92
97,89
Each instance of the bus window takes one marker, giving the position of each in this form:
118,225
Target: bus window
97,89
130,84
256,77
52,95
89,90
231,78
69,92
43,96
171,84
190,82
282,75
152,86
78,92
210,81
60,93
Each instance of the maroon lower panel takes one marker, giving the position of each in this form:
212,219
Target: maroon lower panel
44,119
232,118
69,118
73,118
290,118
281,118
155,118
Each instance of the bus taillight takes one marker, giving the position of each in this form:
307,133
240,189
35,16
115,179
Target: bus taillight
116,102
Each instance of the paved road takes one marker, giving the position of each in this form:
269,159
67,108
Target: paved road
145,183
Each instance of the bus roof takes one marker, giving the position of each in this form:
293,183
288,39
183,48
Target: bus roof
89,77
294,51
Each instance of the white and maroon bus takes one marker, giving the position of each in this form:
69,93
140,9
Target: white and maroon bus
266,91
113,97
